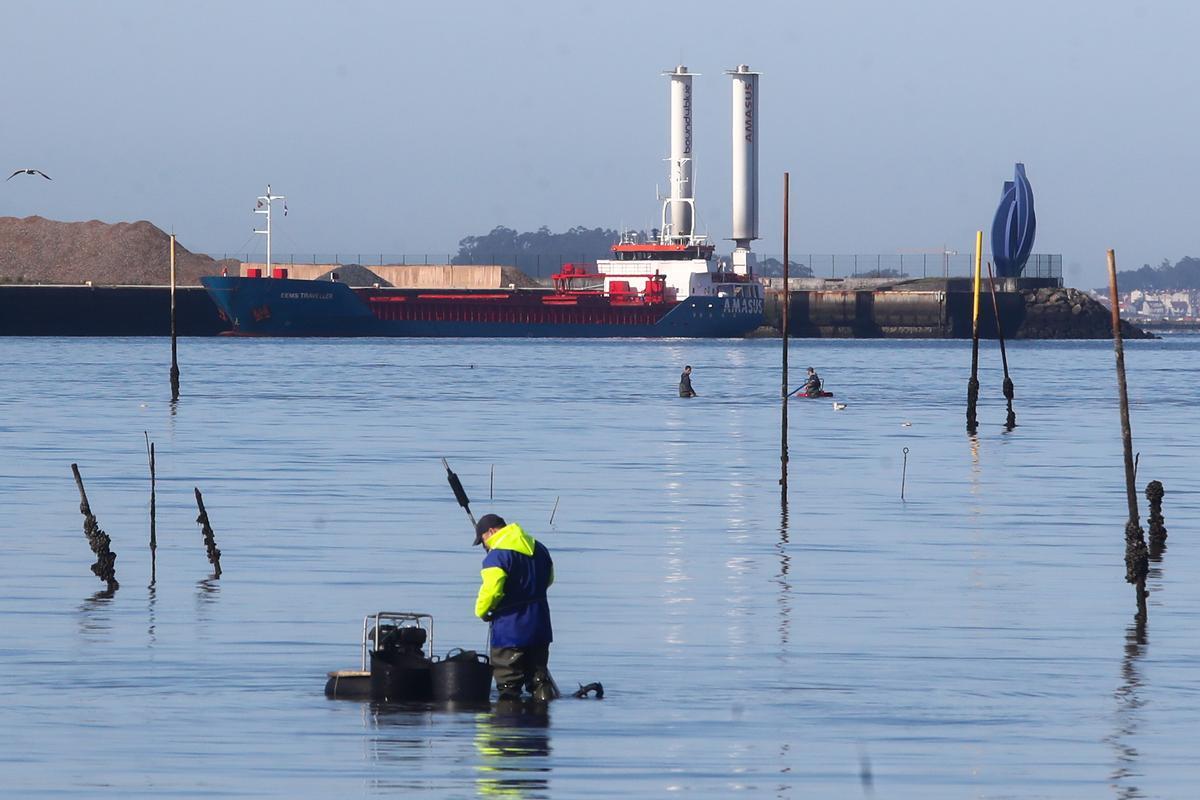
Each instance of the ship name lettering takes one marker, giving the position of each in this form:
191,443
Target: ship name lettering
306,295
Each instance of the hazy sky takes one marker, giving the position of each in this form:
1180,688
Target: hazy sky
401,127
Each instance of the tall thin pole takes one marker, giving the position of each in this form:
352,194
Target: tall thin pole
268,272
787,299
1126,431
1009,391
174,344
973,383
1137,556
264,207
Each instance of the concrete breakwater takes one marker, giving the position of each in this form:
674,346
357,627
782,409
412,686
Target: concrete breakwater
938,309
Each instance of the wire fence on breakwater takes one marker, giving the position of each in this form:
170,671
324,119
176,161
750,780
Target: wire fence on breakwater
892,265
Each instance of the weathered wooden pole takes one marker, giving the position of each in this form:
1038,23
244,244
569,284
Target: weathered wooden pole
174,349
1011,422
105,567
153,538
210,541
787,301
1136,555
973,383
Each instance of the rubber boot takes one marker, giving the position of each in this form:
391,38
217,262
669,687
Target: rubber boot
510,691
542,688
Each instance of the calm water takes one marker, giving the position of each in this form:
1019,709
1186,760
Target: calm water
977,640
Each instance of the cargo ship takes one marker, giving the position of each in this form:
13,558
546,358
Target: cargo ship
666,285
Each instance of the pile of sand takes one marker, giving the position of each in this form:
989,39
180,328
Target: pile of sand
39,250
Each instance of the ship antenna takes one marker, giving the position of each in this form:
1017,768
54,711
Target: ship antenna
263,206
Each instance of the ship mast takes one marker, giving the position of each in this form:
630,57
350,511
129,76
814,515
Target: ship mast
263,206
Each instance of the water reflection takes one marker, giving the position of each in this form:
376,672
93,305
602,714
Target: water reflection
405,739
151,599
1128,716
513,744
511,741
784,583
207,593
95,612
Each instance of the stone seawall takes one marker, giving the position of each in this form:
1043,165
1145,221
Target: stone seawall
941,310
1069,314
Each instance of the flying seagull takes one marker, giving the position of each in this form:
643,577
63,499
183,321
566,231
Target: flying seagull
29,172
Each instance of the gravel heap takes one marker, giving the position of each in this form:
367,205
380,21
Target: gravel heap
39,250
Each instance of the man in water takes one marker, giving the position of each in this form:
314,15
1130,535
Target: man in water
812,387
516,573
685,383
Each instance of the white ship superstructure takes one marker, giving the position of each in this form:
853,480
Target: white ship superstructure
680,263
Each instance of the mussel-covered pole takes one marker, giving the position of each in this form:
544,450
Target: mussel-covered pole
174,348
210,541
1011,422
1136,555
1158,531
787,301
973,383
105,567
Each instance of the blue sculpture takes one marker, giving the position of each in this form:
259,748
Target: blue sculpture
1014,226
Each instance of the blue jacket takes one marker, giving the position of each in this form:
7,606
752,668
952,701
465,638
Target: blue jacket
516,573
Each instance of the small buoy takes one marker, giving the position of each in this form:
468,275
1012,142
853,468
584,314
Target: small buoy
838,406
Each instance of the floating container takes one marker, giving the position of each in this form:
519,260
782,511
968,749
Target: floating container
349,684
463,676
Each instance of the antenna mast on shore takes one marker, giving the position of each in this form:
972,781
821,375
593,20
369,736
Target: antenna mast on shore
263,206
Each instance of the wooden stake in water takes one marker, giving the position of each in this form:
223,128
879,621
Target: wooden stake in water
973,383
492,483
1011,421
153,538
903,474
174,349
554,510
787,301
1137,562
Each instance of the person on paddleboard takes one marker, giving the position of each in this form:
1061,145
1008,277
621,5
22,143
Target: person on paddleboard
516,573
685,383
812,386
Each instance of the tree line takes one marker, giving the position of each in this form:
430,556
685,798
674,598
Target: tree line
1185,274
543,252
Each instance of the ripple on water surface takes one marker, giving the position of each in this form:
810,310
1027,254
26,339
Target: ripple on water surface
977,640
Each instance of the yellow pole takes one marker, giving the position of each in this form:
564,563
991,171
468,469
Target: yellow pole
973,383
978,275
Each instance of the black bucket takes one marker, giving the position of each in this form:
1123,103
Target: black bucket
463,676
399,677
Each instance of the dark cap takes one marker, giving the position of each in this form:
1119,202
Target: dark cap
486,523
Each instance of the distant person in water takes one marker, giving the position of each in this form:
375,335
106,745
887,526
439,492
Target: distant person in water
685,383
812,386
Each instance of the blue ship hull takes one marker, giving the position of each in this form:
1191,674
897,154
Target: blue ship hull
288,307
